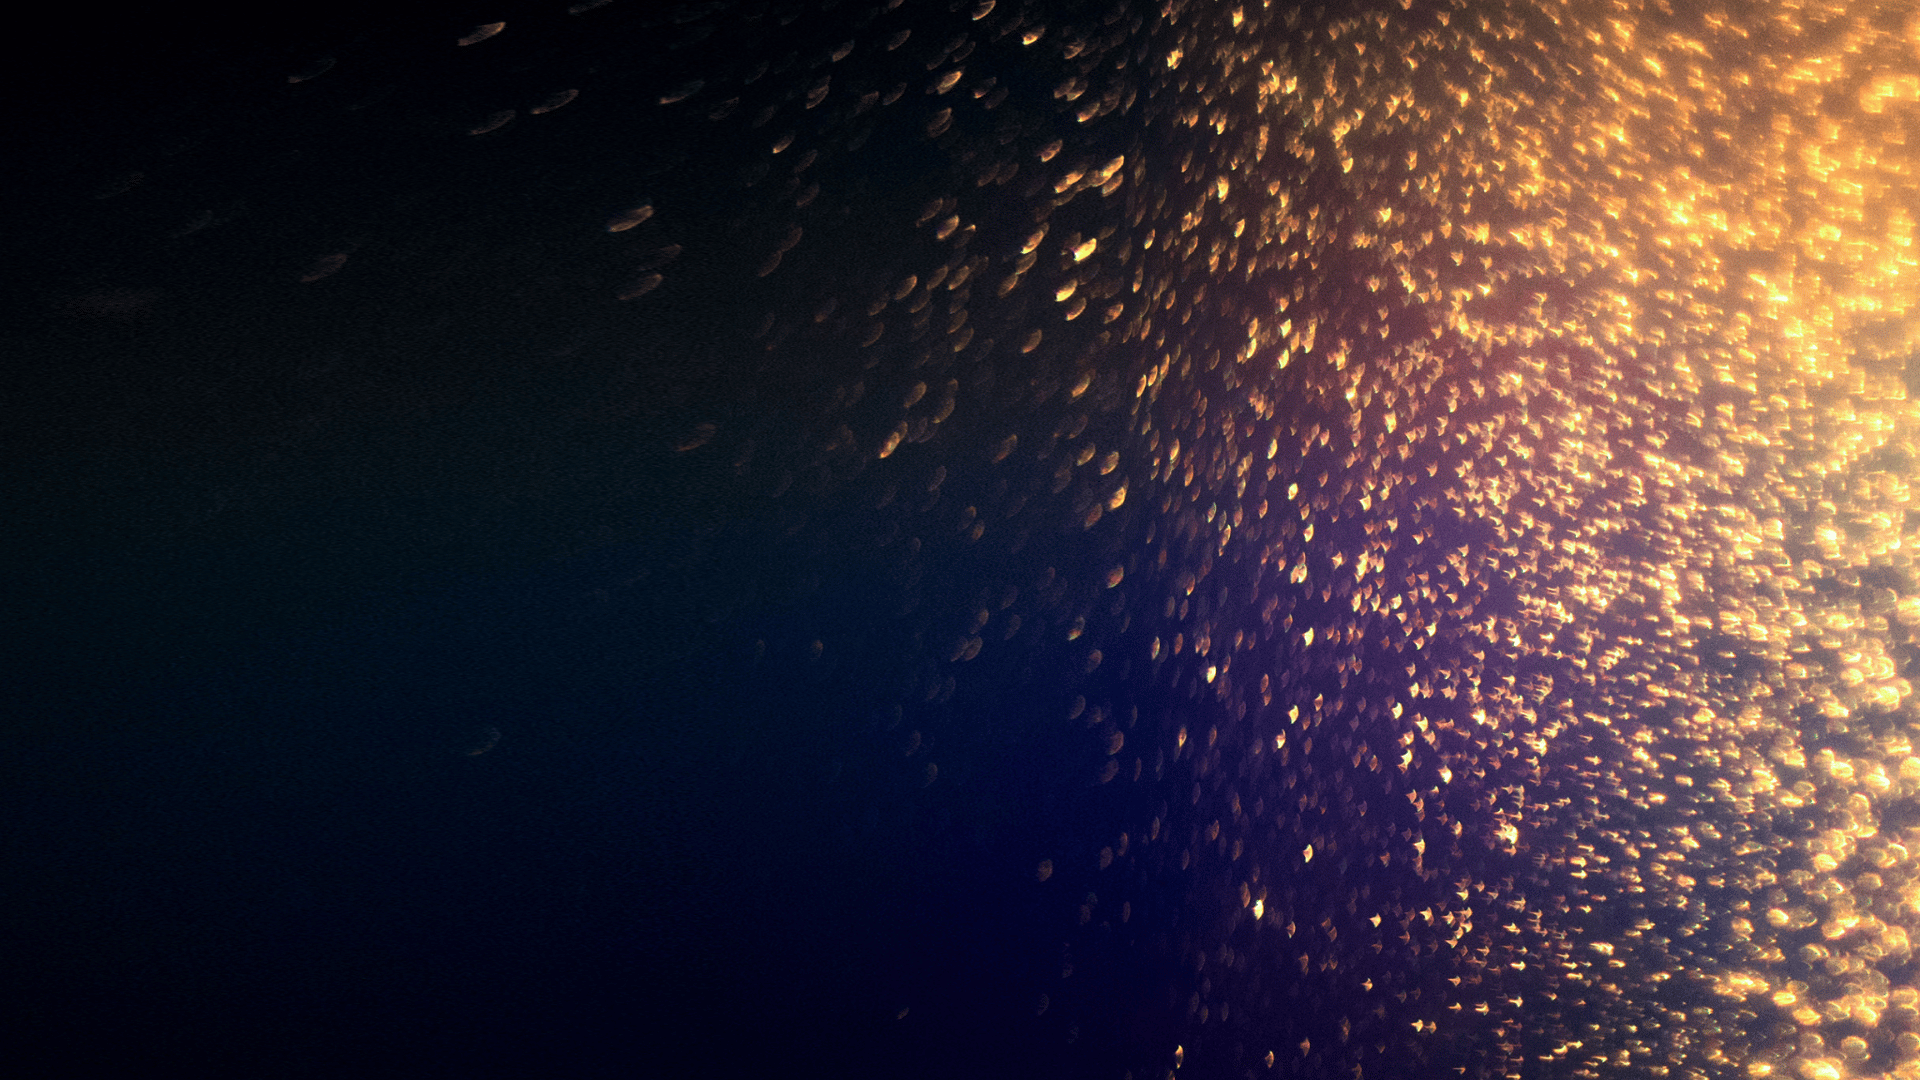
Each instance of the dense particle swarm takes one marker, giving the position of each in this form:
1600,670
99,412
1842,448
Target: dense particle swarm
1499,410
1498,416
1452,459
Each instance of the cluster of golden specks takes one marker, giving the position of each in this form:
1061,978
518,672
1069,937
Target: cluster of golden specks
1520,425
1485,431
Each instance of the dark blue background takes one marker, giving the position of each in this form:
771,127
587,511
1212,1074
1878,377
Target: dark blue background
278,558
